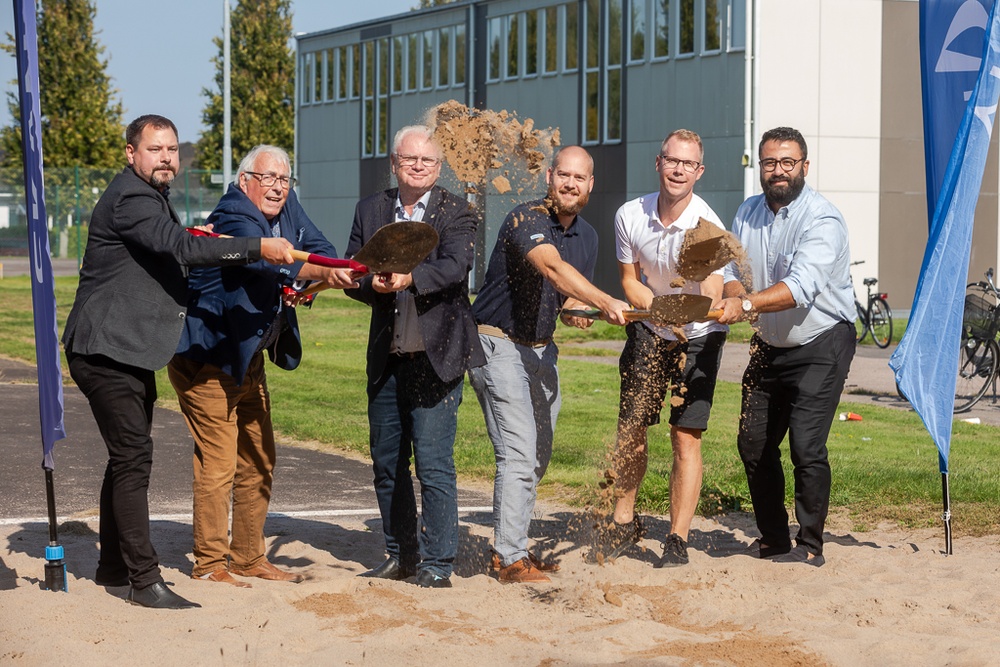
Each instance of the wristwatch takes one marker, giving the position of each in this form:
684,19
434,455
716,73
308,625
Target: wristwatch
747,306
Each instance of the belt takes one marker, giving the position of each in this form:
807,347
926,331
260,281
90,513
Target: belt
406,355
497,332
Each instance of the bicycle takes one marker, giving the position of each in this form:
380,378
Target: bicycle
979,353
876,317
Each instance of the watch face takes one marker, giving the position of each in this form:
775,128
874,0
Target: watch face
747,306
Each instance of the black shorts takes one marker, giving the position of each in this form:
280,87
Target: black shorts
650,364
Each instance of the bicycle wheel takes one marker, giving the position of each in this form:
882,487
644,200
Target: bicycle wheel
880,322
977,365
861,324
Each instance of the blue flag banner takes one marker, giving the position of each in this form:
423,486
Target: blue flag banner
951,49
43,298
926,361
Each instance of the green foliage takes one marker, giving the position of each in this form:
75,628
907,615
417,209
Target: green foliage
262,84
81,122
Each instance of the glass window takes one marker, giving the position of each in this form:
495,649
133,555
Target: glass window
307,59
368,97
383,67
572,32
355,69
661,28
591,63
328,75
686,45
614,31
318,67
342,73
531,43
513,50
613,66
593,34
637,31
382,99
550,53
412,70
460,55
427,80
613,122
737,25
591,129
712,26
444,57
369,69
493,37
398,63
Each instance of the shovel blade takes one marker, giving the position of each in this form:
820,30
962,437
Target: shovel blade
398,247
677,309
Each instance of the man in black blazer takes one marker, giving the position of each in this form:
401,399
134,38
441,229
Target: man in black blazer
124,325
421,342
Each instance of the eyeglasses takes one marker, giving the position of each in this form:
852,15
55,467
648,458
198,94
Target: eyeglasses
268,180
690,166
410,160
787,163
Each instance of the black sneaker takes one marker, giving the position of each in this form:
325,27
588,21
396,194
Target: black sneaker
614,539
675,552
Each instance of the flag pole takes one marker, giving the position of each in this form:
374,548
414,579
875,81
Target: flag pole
946,495
55,566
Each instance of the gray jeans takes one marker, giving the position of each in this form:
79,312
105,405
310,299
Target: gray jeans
518,389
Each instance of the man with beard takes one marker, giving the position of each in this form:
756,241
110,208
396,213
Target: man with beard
801,294
545,252
124,325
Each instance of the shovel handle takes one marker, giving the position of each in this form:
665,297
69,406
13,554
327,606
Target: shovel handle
594,314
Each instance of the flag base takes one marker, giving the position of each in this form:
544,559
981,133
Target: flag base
55,569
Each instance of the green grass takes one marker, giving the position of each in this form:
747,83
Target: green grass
884,467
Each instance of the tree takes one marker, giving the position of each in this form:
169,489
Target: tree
81,122
424,4
262,83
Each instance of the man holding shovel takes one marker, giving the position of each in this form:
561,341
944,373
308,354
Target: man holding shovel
650,233
545,252
235,315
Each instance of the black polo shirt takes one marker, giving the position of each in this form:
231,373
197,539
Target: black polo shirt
514,297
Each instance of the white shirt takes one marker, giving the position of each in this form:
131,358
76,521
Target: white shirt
641,237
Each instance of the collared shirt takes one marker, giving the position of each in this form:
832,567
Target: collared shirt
515,297
406,336
642,237
805,246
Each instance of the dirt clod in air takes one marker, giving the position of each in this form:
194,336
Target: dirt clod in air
501,184
707,248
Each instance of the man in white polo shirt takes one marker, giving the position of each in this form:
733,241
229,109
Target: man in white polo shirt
650,231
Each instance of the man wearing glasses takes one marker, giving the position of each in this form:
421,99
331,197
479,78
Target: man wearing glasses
660,360
235,315
421,341
801,294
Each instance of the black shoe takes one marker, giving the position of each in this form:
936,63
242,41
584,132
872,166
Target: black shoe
614,539
428,579
800,554
759,550
675,552
158,596
391,569
111,580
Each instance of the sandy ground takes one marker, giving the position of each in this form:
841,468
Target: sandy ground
884,598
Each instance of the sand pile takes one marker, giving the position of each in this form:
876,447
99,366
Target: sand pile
477,143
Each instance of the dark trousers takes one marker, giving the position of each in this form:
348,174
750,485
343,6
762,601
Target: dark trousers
121,398
792,391
413,412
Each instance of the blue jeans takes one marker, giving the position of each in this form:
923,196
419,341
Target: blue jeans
518,389
413,412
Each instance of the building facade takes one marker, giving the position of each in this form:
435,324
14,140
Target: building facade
616,76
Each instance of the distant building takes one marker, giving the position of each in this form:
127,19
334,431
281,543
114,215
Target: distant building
617,76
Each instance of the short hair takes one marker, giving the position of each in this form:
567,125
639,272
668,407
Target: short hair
250,159
782,134
424,131
134,131
555,158
686,135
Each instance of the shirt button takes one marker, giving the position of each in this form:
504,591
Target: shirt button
260,332
181,315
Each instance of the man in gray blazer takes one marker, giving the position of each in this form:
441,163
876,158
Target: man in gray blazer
124,325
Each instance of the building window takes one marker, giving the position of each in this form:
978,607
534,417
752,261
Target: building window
382,98
637,31
493,38
328,75
661,29
444,58
459,77
355,69
513,55
375,98
686,45
398,64
549,49
591,69
427,56
368,101
531,43
571,51
412,54
613,68
318,76
306,72
341,89
737,25
712,27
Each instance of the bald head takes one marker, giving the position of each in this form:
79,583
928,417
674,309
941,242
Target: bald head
575,154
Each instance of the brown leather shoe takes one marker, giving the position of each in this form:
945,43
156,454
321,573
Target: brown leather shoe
544,566
222,577
267,570
522,572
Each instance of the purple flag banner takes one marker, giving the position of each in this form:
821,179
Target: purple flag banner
43,298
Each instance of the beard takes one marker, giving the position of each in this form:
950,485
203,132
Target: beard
161,178
563,204
781,190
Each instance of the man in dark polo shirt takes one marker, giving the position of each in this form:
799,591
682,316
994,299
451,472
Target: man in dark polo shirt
543,260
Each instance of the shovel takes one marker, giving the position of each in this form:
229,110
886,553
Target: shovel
666,310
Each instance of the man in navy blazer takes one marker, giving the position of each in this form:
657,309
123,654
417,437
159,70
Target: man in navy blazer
421,342
124,325
235,314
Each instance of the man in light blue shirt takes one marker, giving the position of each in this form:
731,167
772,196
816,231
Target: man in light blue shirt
801,297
